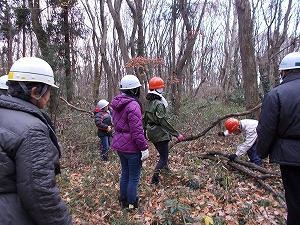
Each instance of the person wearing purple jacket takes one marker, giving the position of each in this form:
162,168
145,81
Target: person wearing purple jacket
129,140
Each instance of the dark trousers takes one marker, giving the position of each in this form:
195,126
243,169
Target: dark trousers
253,155
163,149
290,178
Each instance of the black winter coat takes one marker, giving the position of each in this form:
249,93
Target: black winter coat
279,123
29,162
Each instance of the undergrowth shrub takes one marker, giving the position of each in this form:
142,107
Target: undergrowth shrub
175,213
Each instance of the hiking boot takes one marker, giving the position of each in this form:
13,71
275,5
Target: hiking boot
134,205
123,202
155,179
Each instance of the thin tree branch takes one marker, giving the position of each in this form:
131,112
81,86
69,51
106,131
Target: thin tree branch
213,124
76,108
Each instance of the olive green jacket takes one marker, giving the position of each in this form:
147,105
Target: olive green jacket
155,122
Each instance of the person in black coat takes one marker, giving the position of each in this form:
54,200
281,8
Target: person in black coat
279,132
29,150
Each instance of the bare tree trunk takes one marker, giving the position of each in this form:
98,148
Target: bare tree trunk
187,53
247,53
42,37
115,12
227,78
66,33
137,50
268,60
24,33
107,67
10,35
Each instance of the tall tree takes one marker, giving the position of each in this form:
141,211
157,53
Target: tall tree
277,23
66,46
247,53
230,45
7,32
42,37
111,80
96,45
187,49
115,13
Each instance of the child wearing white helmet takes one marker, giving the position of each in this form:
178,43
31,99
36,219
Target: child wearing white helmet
103,122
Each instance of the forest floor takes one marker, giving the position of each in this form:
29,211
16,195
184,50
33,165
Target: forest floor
198,191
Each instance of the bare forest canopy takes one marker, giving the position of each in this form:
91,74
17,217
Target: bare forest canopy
212,50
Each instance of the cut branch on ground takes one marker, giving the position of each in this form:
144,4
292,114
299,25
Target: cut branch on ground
245,167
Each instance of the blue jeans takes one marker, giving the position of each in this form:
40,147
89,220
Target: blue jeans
105,146
131,172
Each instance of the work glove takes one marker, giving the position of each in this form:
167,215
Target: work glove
145,154
232,156
221,133
180,137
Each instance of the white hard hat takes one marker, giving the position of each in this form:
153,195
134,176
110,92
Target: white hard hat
129,82
32,69
102,103
290,61
3,80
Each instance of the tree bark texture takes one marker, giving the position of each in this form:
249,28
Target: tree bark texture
247,53
67,58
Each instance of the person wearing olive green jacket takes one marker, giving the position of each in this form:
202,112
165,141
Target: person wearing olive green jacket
158,130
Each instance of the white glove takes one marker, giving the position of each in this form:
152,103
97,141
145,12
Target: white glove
145,154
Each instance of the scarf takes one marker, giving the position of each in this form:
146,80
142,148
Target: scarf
163,100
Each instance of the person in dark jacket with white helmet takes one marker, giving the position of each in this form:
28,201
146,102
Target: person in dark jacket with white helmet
279,132
129,140
29,151
103,122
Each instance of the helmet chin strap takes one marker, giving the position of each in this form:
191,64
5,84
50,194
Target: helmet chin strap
25,89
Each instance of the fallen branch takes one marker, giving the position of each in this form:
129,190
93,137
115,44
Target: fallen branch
76,108
246,164
258,178
213,124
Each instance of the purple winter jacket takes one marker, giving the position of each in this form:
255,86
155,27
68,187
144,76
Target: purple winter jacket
127,119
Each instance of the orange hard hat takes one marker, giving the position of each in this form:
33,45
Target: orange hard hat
232,125
156,82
